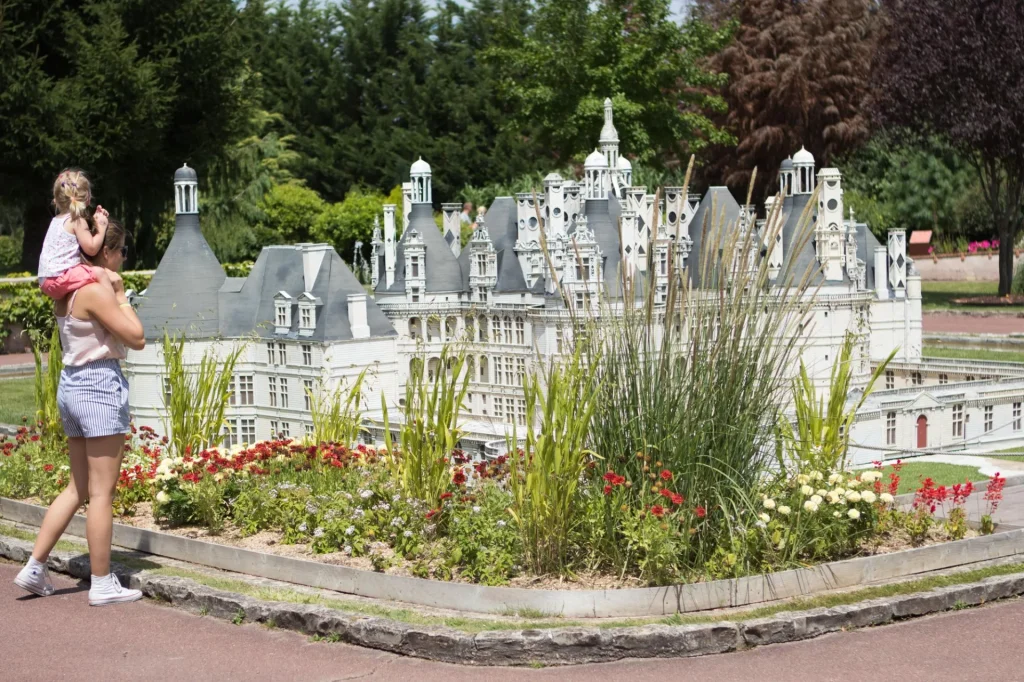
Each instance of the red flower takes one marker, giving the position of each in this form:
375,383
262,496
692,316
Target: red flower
700,511
658,511
619,480
48,468
608,489
433,512
610,477
459,478
666,475
677,499
665,492
34,438
446,496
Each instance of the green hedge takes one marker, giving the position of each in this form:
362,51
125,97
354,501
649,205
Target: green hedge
22,304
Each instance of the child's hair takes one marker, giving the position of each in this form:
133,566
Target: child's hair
71,193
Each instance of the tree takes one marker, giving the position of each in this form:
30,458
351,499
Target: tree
290,212
576,53
348,222
954,70
798,75
125,89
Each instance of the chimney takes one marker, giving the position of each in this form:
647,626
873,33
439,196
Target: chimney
357,316
452,226
389,245
312,259
881,274
406,204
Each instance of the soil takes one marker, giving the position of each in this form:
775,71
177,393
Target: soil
1009,300
270,542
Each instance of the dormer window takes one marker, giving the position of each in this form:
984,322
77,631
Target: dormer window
282,312
307,313
415,262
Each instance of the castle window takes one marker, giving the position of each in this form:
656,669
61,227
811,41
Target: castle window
307,393
284,392
282,312
282,354
496,329
481,264
248,431
415,329
272,390
989,409
415,295
484,378
508,329
1016,416
245,393
915,378
307,355
943,378
483,328
890,379
890,428
520,331
958,421
415,260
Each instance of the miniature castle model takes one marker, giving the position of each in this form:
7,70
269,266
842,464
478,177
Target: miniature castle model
499,297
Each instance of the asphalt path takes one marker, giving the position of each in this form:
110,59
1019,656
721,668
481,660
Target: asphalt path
62,638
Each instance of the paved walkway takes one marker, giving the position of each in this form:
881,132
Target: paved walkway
62,638
942,323
14,359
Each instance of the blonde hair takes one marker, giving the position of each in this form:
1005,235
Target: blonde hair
71,193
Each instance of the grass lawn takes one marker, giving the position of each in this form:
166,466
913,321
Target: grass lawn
973,354
940,295
17,399
913,473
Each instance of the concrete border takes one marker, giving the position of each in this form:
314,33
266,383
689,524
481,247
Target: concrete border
636,602
555,646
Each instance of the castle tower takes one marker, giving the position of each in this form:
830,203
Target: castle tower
595,171
803,167
830,230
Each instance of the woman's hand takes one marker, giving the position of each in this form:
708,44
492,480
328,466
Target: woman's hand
116,281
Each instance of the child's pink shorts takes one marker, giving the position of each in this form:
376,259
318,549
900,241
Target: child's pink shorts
72,279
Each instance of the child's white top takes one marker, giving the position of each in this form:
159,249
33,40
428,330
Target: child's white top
60,249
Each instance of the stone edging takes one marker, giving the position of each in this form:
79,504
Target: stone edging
612,603
557,646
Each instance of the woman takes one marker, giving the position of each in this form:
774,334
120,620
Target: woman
96,322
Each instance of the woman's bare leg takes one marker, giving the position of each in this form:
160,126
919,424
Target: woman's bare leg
104,459
59,515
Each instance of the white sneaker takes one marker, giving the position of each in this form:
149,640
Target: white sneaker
107,590
35,578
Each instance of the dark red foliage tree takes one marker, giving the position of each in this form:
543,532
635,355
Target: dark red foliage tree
799,74
956,69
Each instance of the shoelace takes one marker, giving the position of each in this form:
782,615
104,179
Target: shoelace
115,583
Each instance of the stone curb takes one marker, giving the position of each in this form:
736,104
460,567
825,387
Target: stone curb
557,646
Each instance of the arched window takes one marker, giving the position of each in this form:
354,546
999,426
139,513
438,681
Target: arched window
520,331
508,329
415,365
433,365
471,367
484,375
496,329
415,328
471,329
450,328
433,329
483,328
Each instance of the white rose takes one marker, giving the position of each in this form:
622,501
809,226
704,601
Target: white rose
807,490
163,497
887,498
764,517
769,503
868,496
816,499
853,514
784,510
810,507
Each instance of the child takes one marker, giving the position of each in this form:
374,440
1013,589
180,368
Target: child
61,269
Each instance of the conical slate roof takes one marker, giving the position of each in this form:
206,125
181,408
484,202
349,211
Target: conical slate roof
182,296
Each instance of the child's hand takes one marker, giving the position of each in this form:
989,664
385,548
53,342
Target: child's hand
100,218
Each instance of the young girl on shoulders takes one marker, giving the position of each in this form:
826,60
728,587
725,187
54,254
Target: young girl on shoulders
71,234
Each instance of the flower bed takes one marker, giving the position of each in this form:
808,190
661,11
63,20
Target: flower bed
346,506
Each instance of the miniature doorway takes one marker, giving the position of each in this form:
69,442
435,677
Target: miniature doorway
922,432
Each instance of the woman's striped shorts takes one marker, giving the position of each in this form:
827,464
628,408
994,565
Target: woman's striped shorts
93,400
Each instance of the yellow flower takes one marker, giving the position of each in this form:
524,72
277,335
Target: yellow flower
784,510
853,514
868,496
769,503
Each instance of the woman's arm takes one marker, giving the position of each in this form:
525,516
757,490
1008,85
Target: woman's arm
112,310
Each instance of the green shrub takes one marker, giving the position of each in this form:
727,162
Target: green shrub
10,254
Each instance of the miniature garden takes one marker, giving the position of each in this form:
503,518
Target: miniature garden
662,454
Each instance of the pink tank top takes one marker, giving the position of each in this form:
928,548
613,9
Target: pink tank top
86,341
